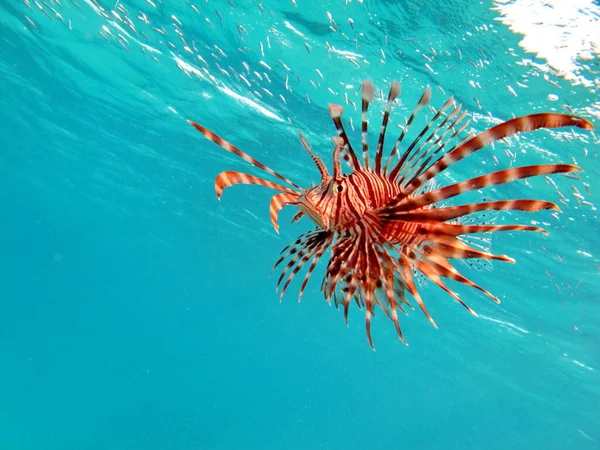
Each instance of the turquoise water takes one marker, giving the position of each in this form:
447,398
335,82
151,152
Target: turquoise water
137,311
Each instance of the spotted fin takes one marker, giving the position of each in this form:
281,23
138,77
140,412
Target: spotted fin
483,241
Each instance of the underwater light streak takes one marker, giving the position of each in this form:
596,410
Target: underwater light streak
505,324
251,103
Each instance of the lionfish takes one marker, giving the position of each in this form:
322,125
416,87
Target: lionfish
381,226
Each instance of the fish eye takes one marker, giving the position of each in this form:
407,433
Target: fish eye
340,188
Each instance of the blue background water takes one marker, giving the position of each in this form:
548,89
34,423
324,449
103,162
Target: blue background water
136,311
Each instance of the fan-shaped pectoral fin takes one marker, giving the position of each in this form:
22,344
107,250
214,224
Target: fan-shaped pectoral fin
278,202
226,179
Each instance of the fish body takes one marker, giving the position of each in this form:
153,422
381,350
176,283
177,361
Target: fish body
385,222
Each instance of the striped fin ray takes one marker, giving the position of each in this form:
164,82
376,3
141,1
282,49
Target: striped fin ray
431,185
452,212
446,270
368,94
375,271
343,259
491,179
410,155
324,245
423,101
277,203
400,290
297,216
456,127
228,178
336,112
293,247
404,268
355,265
425,157
505,129
435,266
353,285
348,282
297,263
369,313
454,247
318,161
384,292
457,247
368,290
437,151
450,122
434,139
236,151
347,159
337,154
394,93
300,252
429,230
387,274
434,273
473,250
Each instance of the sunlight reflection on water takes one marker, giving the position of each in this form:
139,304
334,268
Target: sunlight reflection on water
565,34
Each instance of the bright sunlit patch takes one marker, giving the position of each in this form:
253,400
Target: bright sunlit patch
562,32
251,103
294,29
578,363
186,67
173,110
93,6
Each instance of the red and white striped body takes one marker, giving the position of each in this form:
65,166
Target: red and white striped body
337,205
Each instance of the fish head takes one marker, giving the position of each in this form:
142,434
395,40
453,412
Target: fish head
332,204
